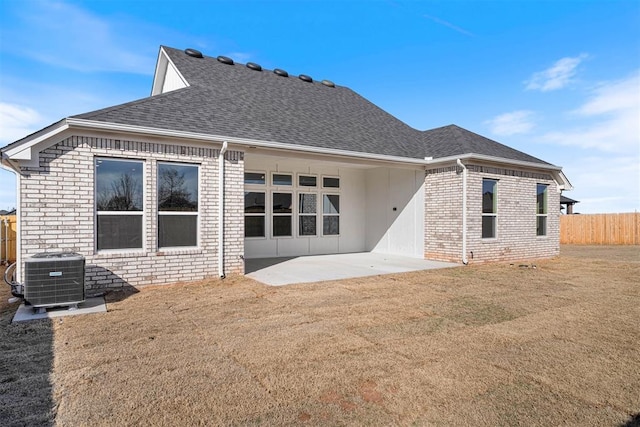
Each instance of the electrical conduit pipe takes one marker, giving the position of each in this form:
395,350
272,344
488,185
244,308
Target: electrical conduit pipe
465,261
221,210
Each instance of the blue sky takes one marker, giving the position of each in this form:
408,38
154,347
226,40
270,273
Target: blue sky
557,79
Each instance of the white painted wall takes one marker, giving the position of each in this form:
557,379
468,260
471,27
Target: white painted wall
352,208
172,80
401,230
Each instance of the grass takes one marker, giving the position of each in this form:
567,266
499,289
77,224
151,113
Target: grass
491,344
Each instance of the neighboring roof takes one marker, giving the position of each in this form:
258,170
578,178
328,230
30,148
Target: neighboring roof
233,101
11,212
564,200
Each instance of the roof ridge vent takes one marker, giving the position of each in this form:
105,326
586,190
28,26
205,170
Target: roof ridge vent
193,52
225,60
254,66
280,72
328,83
305,78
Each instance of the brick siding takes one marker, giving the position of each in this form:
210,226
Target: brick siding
57,212
516,215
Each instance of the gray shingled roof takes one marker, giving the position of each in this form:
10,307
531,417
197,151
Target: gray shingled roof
453,140
235,101
567,200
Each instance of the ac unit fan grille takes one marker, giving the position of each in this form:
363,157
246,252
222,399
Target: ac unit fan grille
52,281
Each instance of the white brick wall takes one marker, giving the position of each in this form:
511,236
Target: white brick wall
516,216
58,213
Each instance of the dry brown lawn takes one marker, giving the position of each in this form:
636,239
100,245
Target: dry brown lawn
492,344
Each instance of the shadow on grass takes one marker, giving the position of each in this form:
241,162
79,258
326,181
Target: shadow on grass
26,365
634,421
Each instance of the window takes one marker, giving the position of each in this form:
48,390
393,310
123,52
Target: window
281,179
177,205
282,214
330,182
119,195
541,210
290,204
254,214
307,181
330,214
307,210
489,208
254,178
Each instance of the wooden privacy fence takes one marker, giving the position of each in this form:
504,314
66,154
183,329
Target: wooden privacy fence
600,229
8,238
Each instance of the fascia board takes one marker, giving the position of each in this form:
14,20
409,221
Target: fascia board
491,159
556,171
161,72
37,142
26,148
88,124
9,165
563,181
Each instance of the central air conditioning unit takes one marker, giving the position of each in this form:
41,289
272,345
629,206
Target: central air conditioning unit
54,279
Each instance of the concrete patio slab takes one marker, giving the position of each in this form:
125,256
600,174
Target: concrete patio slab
306,269
90,305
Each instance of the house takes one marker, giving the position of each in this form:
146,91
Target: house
226,161
568,202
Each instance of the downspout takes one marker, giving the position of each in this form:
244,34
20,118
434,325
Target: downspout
465,261
6,241
13,167
221,210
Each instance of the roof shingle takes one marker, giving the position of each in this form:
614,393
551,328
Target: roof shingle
235,101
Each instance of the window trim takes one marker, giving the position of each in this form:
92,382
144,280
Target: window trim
493,214
295,189
289,174
331,188
142,213
300,214
545,209
178,213
258,214
324,215
306,187
291,214
263,185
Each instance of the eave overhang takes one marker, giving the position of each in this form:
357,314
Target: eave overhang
555,171
26,151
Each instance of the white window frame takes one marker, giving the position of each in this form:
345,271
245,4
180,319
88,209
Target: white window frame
259,188
545,213
272,214
141,213
178,213
266,175
300,214
274,185
336,189
325,215
258,214
309,187
493,214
